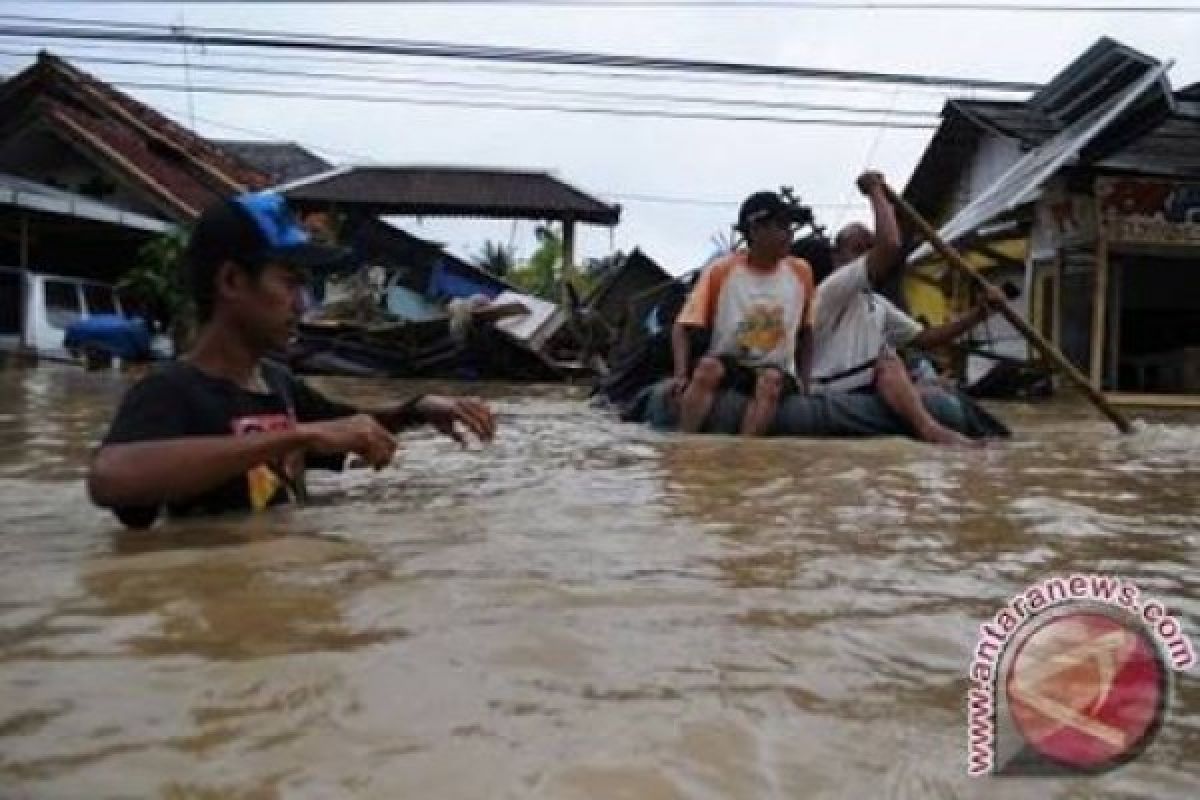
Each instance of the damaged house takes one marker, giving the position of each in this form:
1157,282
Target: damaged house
89,175
1103,245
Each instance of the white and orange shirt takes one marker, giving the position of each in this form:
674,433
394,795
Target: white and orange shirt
754,314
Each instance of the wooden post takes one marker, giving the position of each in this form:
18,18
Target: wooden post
1099,307
1049,351
568,254
1115,281
1056,334
24,242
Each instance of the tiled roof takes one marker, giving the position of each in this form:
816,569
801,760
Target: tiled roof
453,191
178,170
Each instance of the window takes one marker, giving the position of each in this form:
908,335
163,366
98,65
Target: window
62,303
99,299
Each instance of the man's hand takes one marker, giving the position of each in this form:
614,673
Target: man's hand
993,299
359,434
870,182
679,383
444,412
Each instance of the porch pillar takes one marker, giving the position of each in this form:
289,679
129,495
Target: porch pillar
23,239
1099,309
568,254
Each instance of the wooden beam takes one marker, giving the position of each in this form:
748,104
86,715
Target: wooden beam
568,254
149,132
1099,306
1056,337
1187,401
145,181
1115,283
24,241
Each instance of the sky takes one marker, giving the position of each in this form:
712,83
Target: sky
678,181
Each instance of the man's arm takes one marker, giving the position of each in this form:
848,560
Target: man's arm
440,412
940,335
696,314
804,358
443,413
884,253
150,473
155,472
681,353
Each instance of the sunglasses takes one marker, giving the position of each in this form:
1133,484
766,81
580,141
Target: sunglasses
777,221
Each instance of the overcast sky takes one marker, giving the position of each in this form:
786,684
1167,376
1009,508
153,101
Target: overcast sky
712,164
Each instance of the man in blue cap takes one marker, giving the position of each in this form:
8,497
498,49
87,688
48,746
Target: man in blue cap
223,429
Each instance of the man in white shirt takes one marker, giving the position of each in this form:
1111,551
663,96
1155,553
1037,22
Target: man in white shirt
858,330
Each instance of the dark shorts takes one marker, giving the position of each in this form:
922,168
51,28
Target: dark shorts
742,378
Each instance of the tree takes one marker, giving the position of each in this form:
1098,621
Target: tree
156,283
497,258
539,276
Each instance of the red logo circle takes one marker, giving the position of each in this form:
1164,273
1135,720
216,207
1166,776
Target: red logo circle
1086,690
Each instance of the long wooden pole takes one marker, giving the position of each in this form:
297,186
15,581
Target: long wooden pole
1048,351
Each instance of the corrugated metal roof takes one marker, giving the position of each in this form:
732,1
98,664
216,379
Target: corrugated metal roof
1172,147
451,191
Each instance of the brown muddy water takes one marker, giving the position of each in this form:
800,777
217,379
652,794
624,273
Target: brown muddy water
584,609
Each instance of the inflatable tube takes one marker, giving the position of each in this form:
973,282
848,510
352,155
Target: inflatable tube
822,415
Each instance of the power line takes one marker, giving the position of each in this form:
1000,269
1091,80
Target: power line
698,201
840,122
635,197
228,37
500,87
588,73
782,5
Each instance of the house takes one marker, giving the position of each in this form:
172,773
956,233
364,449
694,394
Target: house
1104,251
88,175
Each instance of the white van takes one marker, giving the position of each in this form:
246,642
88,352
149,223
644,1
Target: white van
35,310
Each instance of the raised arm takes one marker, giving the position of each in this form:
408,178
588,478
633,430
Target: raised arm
886,248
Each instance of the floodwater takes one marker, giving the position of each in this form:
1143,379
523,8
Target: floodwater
584,609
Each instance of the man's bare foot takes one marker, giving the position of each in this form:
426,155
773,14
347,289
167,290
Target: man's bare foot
941,435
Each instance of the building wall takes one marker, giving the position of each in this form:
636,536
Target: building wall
994,157
39,155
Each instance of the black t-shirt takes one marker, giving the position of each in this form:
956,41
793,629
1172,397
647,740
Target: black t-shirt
180,400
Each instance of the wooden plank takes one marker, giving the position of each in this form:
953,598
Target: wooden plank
1129,399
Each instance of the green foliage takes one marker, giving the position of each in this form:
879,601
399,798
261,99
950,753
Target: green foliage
540,275
157,283
497,258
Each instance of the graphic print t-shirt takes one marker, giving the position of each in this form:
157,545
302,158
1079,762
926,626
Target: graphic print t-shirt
753,314
180,400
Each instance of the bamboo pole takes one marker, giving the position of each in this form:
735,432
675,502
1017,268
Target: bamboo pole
1048,351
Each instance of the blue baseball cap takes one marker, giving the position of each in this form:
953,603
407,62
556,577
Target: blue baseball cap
258,227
